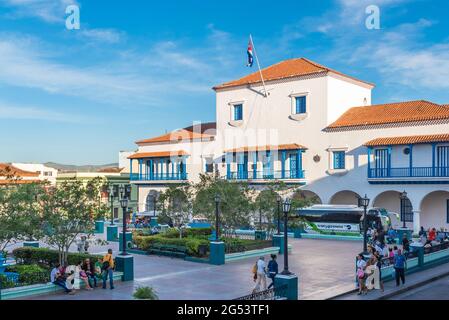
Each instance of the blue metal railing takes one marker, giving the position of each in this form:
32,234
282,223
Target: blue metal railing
261,175
159,176
414,172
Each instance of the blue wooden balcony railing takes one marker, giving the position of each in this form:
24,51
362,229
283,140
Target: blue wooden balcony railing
260,175
159,176
413,172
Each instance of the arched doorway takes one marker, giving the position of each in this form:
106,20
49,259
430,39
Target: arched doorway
345,197
151,201
308,195
391,201
435,210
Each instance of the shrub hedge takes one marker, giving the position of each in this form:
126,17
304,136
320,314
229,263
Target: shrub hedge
30,274
47,257
196,247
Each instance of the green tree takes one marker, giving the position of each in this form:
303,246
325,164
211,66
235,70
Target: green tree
235,205
25,203
94,188
176,204
67,209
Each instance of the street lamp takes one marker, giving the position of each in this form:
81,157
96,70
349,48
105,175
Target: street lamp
404,198
286,207
217,203
111,199
364,202
279,200
154,205
124,205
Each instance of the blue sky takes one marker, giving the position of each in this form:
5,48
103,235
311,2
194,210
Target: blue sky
138,68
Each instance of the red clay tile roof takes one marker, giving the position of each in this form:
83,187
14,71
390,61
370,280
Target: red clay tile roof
10,182
292,146
7,168
189,133
161,154
391,141
410,111
284,70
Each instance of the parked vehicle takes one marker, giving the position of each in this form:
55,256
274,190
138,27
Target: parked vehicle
342,218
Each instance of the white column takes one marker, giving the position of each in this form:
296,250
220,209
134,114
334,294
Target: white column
416,221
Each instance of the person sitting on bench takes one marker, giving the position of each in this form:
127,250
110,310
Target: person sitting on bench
59,279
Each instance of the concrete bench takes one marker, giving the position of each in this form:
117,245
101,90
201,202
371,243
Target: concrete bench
40,289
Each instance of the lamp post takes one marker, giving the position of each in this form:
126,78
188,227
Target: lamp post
364,202
124,205
286,206
154,205
111,199
217,203
404,198
279,200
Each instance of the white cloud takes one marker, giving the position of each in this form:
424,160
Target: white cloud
110,36
10,111
51,11
402,58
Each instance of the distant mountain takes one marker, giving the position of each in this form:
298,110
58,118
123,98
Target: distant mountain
85,168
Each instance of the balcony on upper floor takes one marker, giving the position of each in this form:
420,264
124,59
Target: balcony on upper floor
412,160
159,167
265,164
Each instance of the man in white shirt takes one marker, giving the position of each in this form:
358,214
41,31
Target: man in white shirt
261,275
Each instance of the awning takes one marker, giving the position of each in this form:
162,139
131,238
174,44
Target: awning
280,147
161,154
406,140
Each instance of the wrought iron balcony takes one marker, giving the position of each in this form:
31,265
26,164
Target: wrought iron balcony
409,172
175,176
261,175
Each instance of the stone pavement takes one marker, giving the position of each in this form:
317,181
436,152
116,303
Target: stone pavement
412,282
437,290
325,268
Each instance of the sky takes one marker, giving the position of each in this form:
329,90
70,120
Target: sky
137,69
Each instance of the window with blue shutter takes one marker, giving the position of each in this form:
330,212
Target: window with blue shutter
238,112
301,105
339,160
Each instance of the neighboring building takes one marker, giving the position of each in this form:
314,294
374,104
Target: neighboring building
113,178
45,173
10,174
315,128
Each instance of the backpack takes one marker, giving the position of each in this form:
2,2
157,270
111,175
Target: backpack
105,265
254,269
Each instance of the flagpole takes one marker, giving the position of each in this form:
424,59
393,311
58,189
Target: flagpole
258,65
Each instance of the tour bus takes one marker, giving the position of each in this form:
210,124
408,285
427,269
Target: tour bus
342,218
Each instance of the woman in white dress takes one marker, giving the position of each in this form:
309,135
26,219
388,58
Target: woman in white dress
372,273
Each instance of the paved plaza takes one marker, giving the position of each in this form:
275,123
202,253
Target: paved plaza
325,268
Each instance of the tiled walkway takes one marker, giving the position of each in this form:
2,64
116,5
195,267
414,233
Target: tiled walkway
325,268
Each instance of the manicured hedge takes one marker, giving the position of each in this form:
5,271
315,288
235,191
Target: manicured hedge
192,244
47,257
30,274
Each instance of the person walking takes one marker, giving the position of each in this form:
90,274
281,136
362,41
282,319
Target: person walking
399,267
108,269
273,269
261,275
361,265
379,258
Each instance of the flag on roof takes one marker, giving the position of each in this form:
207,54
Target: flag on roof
250,54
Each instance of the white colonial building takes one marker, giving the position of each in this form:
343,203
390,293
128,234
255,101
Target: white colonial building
313,127
44,173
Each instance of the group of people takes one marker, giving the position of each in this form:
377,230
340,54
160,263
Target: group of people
432,237
88,272
261,271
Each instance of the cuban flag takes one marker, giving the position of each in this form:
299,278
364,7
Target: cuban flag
250,54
